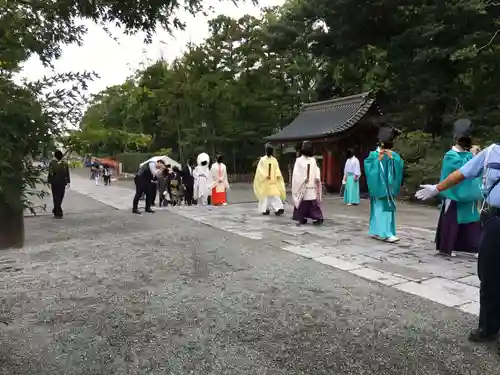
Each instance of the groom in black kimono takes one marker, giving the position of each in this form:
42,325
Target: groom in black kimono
188,181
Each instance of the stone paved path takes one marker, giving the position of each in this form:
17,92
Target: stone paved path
411,265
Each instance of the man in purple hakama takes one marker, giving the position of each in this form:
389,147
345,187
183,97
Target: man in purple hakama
306,187
459,228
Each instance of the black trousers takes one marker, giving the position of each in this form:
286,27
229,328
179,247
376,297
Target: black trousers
58,191
142,186
154,192
488,269
188,194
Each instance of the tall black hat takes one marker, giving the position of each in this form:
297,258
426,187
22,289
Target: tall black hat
387,134
269,146
307,145
462,128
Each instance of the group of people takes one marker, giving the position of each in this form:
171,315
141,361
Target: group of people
269,186
201,185
469,220
384,173
98,170
458,228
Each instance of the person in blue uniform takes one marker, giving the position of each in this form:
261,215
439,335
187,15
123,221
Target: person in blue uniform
486,164
459,228
384,175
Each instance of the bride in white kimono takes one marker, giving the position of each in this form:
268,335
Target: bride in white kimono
202,179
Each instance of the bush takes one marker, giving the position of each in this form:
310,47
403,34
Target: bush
423,155
75,164
131,160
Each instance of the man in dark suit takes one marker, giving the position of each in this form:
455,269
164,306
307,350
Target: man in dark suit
58,179
188,181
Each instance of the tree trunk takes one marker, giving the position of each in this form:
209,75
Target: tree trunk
12,227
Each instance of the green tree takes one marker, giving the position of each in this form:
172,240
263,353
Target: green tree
35,113
223,95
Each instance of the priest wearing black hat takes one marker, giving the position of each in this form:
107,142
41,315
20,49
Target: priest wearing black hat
384,175
459,226
268,184
306,187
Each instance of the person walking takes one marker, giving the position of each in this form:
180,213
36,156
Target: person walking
306,187
143,180
97,173
188,181
459,226
174,186
352,173
485,164
59,180
161,179
202,180
106,173
220,184
268,184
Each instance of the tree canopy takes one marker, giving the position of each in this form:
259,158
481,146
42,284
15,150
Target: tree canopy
429,63
32,114
223,95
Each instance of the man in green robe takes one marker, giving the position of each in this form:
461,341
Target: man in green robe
384,175
459,227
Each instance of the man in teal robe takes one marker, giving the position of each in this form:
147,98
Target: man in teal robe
384,175
459,227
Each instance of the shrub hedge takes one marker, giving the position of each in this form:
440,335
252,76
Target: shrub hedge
131,160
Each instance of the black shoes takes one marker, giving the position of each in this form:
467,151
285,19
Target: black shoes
302,222
318,222
478,335
137,212
277,213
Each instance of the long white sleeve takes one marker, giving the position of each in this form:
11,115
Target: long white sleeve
357,167
352,166
152,168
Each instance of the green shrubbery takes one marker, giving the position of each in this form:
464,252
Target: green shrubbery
131,160
423,155
75,164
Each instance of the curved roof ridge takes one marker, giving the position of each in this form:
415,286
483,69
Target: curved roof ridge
338,101
326,118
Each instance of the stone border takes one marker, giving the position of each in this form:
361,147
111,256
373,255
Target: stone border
461,293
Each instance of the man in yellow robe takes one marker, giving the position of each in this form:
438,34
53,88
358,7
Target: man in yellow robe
268,184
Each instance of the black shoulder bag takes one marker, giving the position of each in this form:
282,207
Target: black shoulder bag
488,211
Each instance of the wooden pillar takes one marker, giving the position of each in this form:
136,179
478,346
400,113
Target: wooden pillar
324,166
330,163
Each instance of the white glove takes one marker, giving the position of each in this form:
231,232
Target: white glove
343,182
427,192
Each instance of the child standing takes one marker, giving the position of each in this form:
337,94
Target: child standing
107,175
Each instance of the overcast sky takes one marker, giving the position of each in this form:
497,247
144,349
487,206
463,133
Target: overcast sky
114,61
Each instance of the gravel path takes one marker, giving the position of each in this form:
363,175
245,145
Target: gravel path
105,292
